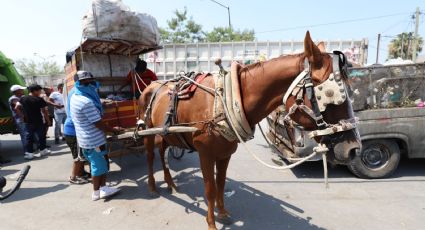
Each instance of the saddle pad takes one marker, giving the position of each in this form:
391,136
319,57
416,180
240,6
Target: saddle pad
189,90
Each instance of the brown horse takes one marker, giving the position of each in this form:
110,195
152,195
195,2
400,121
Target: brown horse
262,89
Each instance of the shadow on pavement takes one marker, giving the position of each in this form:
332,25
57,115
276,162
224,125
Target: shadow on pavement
314,169
12,150
250,208
6,172
29,193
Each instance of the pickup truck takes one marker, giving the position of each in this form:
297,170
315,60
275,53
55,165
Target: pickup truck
389,104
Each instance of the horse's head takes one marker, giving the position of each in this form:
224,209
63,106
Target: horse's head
318,101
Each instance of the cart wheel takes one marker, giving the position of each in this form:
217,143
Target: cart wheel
176,153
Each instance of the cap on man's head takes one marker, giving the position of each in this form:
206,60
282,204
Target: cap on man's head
16,87
81,75
34,87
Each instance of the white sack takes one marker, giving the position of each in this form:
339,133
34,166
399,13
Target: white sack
116,20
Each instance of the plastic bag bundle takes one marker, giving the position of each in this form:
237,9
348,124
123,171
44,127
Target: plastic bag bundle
111,19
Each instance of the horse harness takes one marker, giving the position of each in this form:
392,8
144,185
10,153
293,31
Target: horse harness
181,89
229,116
332,91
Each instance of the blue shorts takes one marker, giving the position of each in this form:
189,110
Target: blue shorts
98,162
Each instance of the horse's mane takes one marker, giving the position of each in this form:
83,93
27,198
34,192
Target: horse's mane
249,67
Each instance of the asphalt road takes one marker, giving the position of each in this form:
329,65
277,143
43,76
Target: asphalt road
257,197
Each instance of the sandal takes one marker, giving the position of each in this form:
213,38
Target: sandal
78,180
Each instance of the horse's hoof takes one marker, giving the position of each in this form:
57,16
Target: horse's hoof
154,194
225,219
173,190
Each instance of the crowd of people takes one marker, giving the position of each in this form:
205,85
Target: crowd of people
84,130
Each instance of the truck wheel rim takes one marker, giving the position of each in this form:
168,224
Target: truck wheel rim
375,157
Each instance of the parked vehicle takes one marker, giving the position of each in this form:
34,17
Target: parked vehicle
389,103
8,76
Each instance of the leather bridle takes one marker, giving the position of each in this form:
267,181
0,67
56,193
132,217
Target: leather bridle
332,91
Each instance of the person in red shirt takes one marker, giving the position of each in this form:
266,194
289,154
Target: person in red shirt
139,78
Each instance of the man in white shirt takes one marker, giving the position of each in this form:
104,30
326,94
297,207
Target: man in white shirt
60,115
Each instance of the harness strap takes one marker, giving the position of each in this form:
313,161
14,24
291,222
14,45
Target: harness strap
171,117
149,108
297,80
316,115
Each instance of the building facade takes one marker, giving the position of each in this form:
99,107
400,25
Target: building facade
174,59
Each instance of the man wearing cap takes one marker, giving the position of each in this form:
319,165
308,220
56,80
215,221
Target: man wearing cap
86,113
18,92
78,175
33,110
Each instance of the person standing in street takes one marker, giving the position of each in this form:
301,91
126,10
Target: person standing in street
57,99
18,92
86,112
78,175
33,110
50,106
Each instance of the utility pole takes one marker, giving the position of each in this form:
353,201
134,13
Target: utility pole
415,37
402,46
228,10
377,48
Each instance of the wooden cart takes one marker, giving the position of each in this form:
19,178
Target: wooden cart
110,60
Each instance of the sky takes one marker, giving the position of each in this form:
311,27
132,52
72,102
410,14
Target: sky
49,28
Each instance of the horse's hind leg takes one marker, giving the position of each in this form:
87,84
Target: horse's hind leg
167,175
221,166
149,142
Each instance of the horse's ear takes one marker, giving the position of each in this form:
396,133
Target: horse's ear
311,51
322,47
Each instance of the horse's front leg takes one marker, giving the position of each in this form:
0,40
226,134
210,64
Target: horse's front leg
207,167
223,216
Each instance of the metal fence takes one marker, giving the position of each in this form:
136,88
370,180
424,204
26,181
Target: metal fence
174,58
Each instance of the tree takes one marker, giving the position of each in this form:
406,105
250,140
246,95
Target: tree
406,41
29,67
226,34
181,29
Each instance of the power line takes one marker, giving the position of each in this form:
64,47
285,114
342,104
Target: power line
332,23
393,26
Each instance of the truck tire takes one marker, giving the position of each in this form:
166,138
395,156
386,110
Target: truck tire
378,159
